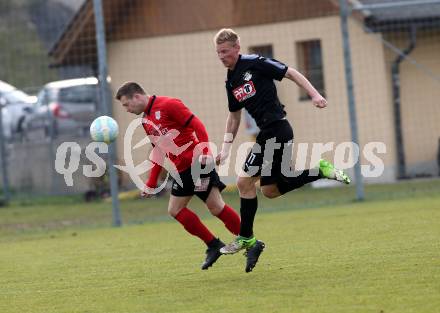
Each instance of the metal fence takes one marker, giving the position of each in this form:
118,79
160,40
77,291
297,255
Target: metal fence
375,61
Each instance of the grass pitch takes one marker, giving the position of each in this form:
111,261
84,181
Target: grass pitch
380,255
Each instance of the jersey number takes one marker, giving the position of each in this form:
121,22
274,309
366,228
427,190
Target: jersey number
250,159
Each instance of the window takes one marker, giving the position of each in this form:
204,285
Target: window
265,51
309,56
78,94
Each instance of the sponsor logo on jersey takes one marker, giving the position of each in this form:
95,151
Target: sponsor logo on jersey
244,91
157,114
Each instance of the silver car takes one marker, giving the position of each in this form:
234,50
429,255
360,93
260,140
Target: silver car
64,107
15,105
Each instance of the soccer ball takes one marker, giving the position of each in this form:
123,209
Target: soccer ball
104,129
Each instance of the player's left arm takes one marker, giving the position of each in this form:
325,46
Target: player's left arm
183,116
200,129
277,70
298,78
202,135
179,112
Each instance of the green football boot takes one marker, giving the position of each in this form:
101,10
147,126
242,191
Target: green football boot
238,244
328,170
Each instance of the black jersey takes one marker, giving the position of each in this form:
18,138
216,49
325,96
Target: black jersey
250,85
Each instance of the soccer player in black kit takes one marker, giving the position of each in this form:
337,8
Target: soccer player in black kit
250,85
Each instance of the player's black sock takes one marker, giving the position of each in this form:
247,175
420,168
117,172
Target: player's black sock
286,184
214,242
248,209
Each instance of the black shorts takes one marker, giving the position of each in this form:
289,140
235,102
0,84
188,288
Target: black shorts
201,186
278,137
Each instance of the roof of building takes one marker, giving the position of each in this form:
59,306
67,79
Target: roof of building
127,19
395,15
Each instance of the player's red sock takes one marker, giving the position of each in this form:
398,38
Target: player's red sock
193,225
231,219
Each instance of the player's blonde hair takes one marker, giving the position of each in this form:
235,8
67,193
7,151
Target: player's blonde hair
226,35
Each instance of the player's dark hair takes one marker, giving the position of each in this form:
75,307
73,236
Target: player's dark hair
128,90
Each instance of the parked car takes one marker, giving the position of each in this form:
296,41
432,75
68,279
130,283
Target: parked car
64,107
15,105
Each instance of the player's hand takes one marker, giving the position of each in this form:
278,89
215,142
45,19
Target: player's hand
221,157
319,101
224,153
206,159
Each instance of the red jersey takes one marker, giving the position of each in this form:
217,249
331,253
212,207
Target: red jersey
166,123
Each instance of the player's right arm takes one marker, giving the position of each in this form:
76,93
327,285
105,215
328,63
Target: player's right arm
232,125
152,180
157,158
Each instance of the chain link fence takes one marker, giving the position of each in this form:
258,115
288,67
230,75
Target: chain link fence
50,69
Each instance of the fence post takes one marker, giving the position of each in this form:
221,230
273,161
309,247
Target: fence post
4,164
105,107
343,12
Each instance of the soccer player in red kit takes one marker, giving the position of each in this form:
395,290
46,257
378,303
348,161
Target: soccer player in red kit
171,126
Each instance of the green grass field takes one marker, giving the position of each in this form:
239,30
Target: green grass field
325,253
